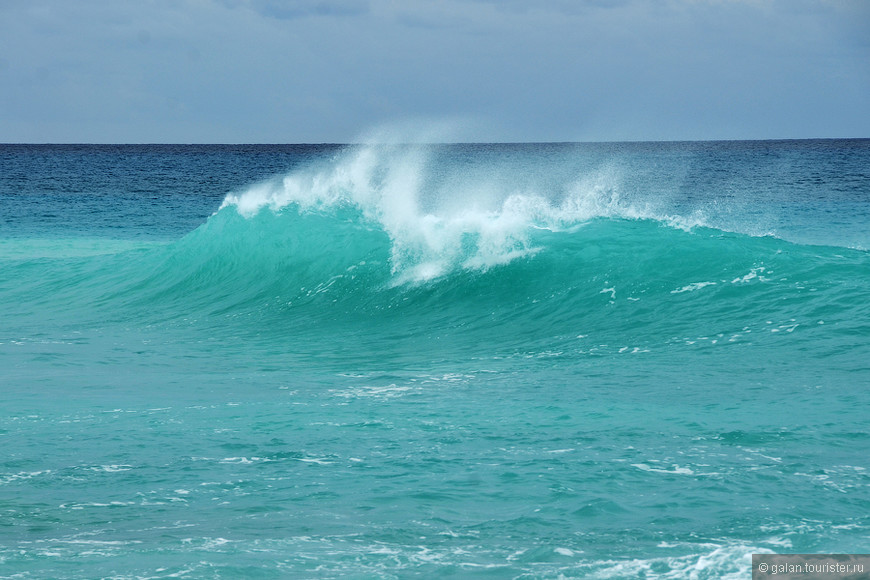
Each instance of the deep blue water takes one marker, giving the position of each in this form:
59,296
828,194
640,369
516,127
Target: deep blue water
631,360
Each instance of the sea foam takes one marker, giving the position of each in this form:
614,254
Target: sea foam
442,216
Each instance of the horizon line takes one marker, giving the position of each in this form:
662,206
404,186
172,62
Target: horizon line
405,143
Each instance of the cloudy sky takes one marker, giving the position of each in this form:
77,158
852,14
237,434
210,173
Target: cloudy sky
309,71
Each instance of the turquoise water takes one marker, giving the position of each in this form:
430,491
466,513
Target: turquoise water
506,361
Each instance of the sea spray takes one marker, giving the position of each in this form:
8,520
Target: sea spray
437,219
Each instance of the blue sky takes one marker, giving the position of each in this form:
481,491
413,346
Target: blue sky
309,71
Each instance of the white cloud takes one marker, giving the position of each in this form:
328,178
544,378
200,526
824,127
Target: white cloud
292,9
324,70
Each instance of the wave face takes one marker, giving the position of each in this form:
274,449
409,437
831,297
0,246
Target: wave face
487,258
528,273
532,359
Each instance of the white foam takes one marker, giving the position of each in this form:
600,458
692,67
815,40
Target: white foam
21,475
677,470
438,223
111,468
692,287
385,392
755,273
727,562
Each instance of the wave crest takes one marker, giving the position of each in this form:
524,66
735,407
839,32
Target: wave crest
440,214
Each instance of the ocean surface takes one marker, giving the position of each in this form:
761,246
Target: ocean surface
627,360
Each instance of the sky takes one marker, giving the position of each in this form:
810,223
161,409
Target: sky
335,71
